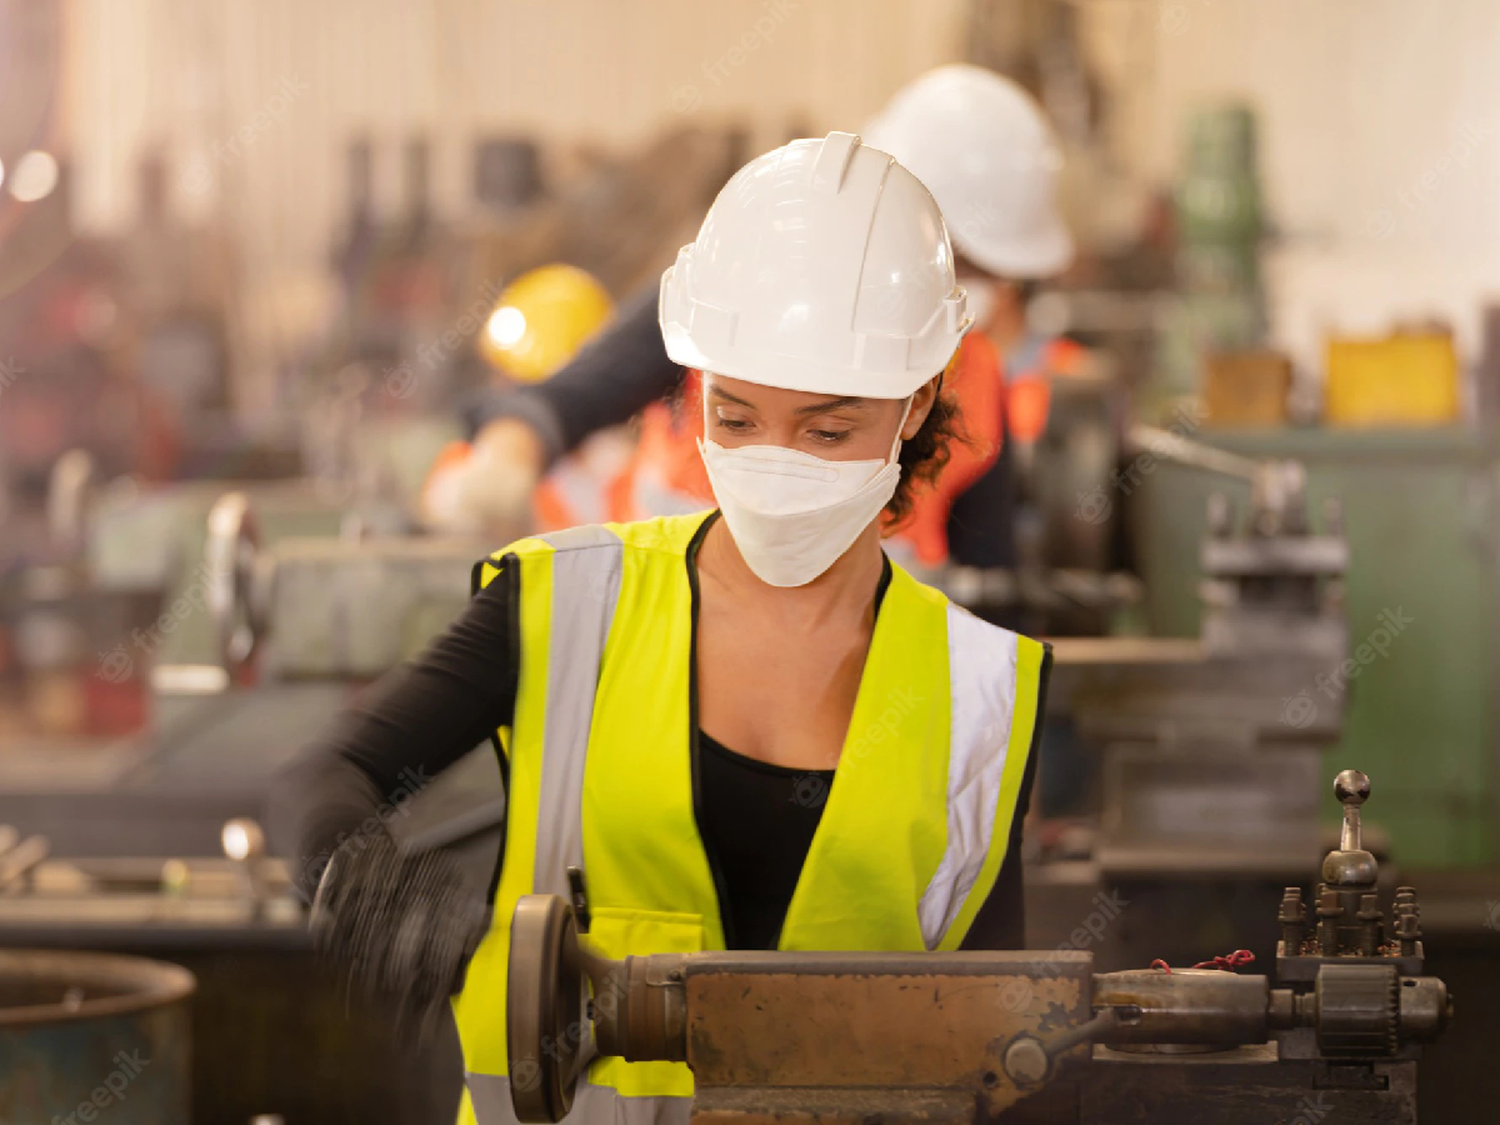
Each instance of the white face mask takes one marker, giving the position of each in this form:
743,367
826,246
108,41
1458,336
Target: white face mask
792,514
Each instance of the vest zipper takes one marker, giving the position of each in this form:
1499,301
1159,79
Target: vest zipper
726,923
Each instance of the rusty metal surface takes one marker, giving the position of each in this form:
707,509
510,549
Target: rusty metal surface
87,1036
756,1106
815,1038
1187,1006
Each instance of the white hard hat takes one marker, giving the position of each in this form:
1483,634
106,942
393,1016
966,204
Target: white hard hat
822,266
984,150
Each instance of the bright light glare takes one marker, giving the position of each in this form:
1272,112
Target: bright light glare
242,839
507,326
236,841
34,176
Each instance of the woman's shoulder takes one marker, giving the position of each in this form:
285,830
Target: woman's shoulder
965,627
671,534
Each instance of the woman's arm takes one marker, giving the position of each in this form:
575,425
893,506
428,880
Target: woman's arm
409,726
619,373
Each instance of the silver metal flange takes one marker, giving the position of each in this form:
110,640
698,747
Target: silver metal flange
229,558
546,1031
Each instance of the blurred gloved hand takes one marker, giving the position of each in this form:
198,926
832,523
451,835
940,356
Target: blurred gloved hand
403,924
486,489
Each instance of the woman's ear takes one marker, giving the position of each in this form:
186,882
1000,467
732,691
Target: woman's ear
921,406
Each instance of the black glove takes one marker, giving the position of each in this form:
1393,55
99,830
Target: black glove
404,924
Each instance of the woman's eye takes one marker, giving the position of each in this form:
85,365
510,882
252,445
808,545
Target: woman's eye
734,425
829,437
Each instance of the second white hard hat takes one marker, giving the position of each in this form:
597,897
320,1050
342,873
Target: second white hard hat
822,266
985,151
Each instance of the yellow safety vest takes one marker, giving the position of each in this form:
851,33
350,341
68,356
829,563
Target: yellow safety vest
912,835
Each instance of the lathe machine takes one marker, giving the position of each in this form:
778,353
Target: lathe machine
1015,1037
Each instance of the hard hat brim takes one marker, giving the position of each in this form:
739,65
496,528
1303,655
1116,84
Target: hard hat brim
1046,252
823,267
789,373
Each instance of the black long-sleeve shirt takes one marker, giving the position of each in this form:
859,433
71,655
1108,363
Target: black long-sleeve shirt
756,819
616,375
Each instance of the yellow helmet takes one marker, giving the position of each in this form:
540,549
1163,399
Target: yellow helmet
541,319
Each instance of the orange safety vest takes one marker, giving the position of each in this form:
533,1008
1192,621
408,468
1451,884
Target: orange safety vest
570,495
992,406
666,475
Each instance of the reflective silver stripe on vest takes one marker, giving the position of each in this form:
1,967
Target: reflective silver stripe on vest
982,661
593,1105
586,567
587,564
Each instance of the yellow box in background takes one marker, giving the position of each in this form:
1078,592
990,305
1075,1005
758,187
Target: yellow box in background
1246,388
1409,379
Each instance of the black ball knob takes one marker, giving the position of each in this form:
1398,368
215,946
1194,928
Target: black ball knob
1351,787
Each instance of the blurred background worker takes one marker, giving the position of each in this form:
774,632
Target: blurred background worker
538,324
983,148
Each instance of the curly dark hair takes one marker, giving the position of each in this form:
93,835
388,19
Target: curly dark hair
923,457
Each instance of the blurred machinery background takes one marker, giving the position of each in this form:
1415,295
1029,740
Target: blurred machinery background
255,267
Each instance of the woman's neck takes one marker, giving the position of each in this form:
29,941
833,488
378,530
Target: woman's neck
845,592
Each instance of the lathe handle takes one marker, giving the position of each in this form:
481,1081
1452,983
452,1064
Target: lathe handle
1029,1060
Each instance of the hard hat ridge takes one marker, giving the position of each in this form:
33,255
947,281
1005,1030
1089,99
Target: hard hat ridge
824,266
985,150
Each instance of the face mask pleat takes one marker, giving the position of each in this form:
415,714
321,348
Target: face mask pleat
780,460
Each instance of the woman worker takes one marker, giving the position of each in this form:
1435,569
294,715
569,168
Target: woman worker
738,729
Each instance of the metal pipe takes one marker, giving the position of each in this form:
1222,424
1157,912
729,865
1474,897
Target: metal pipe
639,1006
1185,451
21,860
1185,1006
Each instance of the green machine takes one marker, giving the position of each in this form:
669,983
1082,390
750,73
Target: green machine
1421,512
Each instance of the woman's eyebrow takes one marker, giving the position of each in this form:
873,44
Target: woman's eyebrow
732,398
832,404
